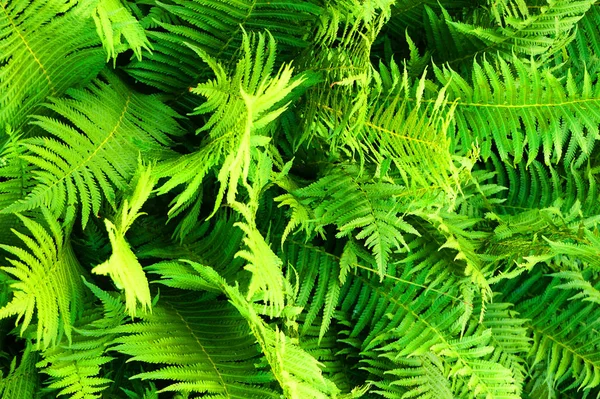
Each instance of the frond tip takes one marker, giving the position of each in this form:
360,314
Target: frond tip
123,266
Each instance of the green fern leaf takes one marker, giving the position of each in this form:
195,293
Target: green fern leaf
123,266
509,105
242,107
83,162
296,371
114,20
191,351
32,40
48,281
22,380
75,367
367,210
564,332
217,28
541,33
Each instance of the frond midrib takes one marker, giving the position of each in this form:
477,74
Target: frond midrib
28,47
208,356
113,132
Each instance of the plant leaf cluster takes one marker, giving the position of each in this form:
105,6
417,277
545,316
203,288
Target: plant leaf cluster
299,199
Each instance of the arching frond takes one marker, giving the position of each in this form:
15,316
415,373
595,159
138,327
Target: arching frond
404,325
503,10
297,373
576,280
122,266
582,53
217,28
48,283
318,275
22,381
409,14
15,182
57,46
242,106
565,335
75,367
508,103
114,20
202,345
547,29
361,208
82,162
213,242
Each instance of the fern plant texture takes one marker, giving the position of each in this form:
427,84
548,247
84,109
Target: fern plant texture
300,199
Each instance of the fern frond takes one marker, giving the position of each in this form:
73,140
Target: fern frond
341,56
123,266
386,126
55,43
423,375
565,335
361,208
75,367
113,20
408,15
446,43
577,280
22,381
86,160
242,106
404,324
460,236
296,371
15,182
509,105
48,282
201,345
218,29
318,274
213,242
542,32
582,52
543,236
510,10
267,279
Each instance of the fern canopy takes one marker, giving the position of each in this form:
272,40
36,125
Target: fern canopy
299,199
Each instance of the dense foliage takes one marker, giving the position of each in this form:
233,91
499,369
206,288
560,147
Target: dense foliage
299,199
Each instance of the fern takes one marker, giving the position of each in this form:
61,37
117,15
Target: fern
22,380
299,199
47,284
217,28
542,32
242,107
114,20
564,350
507,105
75,367
318,273
32,39
83,162
407,325
297,372
123,266
188,349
